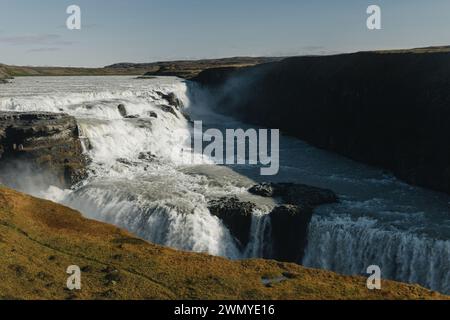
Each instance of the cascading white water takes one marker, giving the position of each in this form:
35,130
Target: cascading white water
138,180
349,246
136,176
159,210
259,235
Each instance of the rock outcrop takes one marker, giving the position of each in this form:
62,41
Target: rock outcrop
171,99
289,221
388,109
122,110
289,228
236,215
168,109
46,142
292,193
152,114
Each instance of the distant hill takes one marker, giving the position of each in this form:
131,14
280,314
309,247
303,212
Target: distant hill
40,239
184,69
191,68
19,71
438,49
181,68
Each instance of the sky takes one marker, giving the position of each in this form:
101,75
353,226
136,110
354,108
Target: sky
35,33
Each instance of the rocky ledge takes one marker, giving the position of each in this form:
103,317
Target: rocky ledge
172,104
289,221
236,215
292,193
46,142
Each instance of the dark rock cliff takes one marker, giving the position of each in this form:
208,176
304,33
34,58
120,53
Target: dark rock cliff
236,215
289,231
289,222
390,110
45,142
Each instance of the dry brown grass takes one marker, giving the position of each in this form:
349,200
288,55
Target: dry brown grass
40,239
184,69
18,71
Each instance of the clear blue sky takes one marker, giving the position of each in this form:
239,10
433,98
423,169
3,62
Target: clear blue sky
33,32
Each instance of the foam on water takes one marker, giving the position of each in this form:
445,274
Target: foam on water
348,245
138,180
259,234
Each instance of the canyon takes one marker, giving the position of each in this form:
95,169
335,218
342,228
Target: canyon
387,108
323,211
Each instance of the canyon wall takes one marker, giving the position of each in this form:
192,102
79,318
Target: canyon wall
388,109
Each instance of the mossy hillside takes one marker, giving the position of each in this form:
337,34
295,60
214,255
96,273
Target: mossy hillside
40,239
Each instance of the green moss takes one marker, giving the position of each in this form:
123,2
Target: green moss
41,239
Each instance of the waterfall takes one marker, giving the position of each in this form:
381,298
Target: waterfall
135,177
349,246
178,225
259,243
137,180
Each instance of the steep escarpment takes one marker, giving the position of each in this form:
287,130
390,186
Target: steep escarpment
43,144
389,109
236,215
39,240
289,222
286,239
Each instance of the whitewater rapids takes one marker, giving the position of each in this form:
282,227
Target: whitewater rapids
139,181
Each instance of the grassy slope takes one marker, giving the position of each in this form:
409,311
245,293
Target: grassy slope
40,239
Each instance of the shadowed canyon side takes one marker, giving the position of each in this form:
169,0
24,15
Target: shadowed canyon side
40,239
137,133
225,158
388,108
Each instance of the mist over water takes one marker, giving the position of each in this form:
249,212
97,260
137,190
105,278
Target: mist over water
137,180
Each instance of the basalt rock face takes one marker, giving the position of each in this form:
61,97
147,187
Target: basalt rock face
169,109
236,215
45,142
289,221
298,194
289,227
122,110
171,99
388,109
